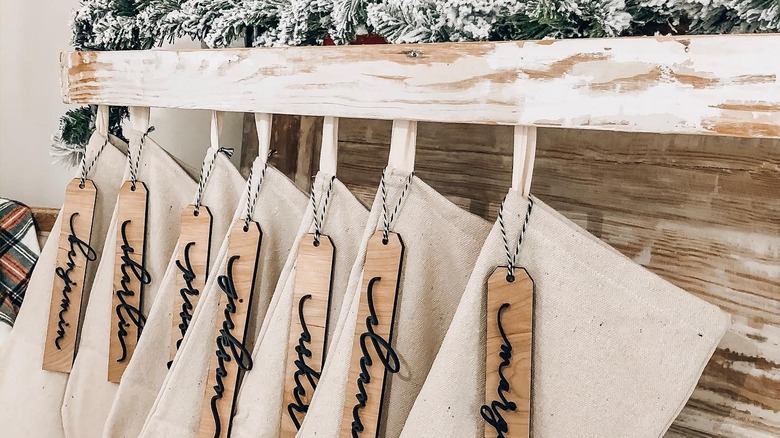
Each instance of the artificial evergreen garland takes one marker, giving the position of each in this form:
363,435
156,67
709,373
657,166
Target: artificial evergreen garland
143,24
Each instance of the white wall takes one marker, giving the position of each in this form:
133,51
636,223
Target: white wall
31,38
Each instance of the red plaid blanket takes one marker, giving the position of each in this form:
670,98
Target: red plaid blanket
18,255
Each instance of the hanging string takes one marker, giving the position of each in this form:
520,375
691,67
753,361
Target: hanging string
511,259
85,169
318,220
387,217
254,190
204,177
134,165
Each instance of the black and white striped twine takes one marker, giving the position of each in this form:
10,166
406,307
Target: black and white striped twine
254,190
387,217
511,259
134,164
85,169
318,220
204,177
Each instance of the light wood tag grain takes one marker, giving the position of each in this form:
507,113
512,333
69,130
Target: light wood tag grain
73,254
231,355
372,353
308,329
192,263
508,355
130,276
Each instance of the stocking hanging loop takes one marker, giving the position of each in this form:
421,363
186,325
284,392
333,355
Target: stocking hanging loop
253,189
101,120
101,127
139,122
263,126
403,145
523,159
217,118
330,145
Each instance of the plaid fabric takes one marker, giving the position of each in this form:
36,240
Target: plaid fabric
17,258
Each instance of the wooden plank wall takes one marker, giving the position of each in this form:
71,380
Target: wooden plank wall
702,212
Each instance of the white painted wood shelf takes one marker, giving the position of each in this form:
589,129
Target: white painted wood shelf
721,85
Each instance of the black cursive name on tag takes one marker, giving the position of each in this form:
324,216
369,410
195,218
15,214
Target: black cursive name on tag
124,310
188,274
492,414
303,369
229,348
64,274
384,352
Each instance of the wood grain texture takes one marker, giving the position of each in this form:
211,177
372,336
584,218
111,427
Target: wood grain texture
308,329
702,212
73,254
508,353
230,356
648,84
44,218
376,315
192,260
130,277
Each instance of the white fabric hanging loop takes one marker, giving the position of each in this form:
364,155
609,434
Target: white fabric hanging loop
263,126
139,122
264,152
523,159
101,127
217,118
522,171
101,120
328,166
217,122
403,145
330,145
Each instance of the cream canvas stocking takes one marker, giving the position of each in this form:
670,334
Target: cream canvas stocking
618,350
89,394
32,397
278,206
146,372
260,402
441,243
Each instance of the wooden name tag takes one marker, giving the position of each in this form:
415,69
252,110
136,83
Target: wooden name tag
308,330
130,276
231,356
192,263
372,352
508,354
73,254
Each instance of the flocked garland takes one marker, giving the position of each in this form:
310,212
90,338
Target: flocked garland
143,24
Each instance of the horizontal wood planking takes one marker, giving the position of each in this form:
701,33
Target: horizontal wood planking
701,211
723,85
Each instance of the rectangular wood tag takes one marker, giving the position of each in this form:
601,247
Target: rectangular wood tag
130,276
231,355
192,263
73,254
508,354
372,352
308,329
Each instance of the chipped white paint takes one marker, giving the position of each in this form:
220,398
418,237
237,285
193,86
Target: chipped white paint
709,84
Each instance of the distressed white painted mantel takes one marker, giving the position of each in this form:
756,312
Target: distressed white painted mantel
723,85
